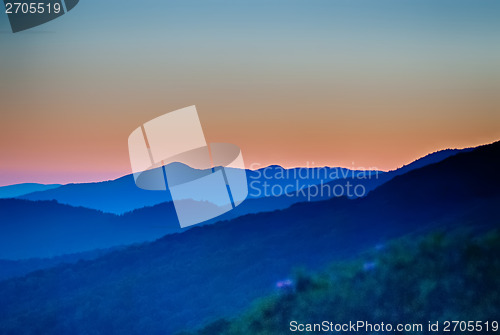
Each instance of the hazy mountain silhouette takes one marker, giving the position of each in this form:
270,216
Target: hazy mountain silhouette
17,190
122,195
114,196
184,280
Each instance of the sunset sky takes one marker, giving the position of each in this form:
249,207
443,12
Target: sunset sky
368,83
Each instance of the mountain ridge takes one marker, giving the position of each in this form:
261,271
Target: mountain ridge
102,197
182,281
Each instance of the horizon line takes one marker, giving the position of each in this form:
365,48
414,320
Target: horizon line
95,181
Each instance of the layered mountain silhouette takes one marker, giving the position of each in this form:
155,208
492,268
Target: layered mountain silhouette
185,280
17,190
68,230
122,195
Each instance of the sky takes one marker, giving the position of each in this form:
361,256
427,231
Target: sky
352,83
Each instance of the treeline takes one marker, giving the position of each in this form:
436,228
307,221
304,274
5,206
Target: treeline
439,277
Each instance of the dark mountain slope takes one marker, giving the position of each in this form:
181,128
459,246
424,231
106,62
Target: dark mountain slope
184,280
47,229
21,267
429,159
365,184
470,175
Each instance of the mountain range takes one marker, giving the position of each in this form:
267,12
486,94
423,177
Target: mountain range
68,230
122,195
185,280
